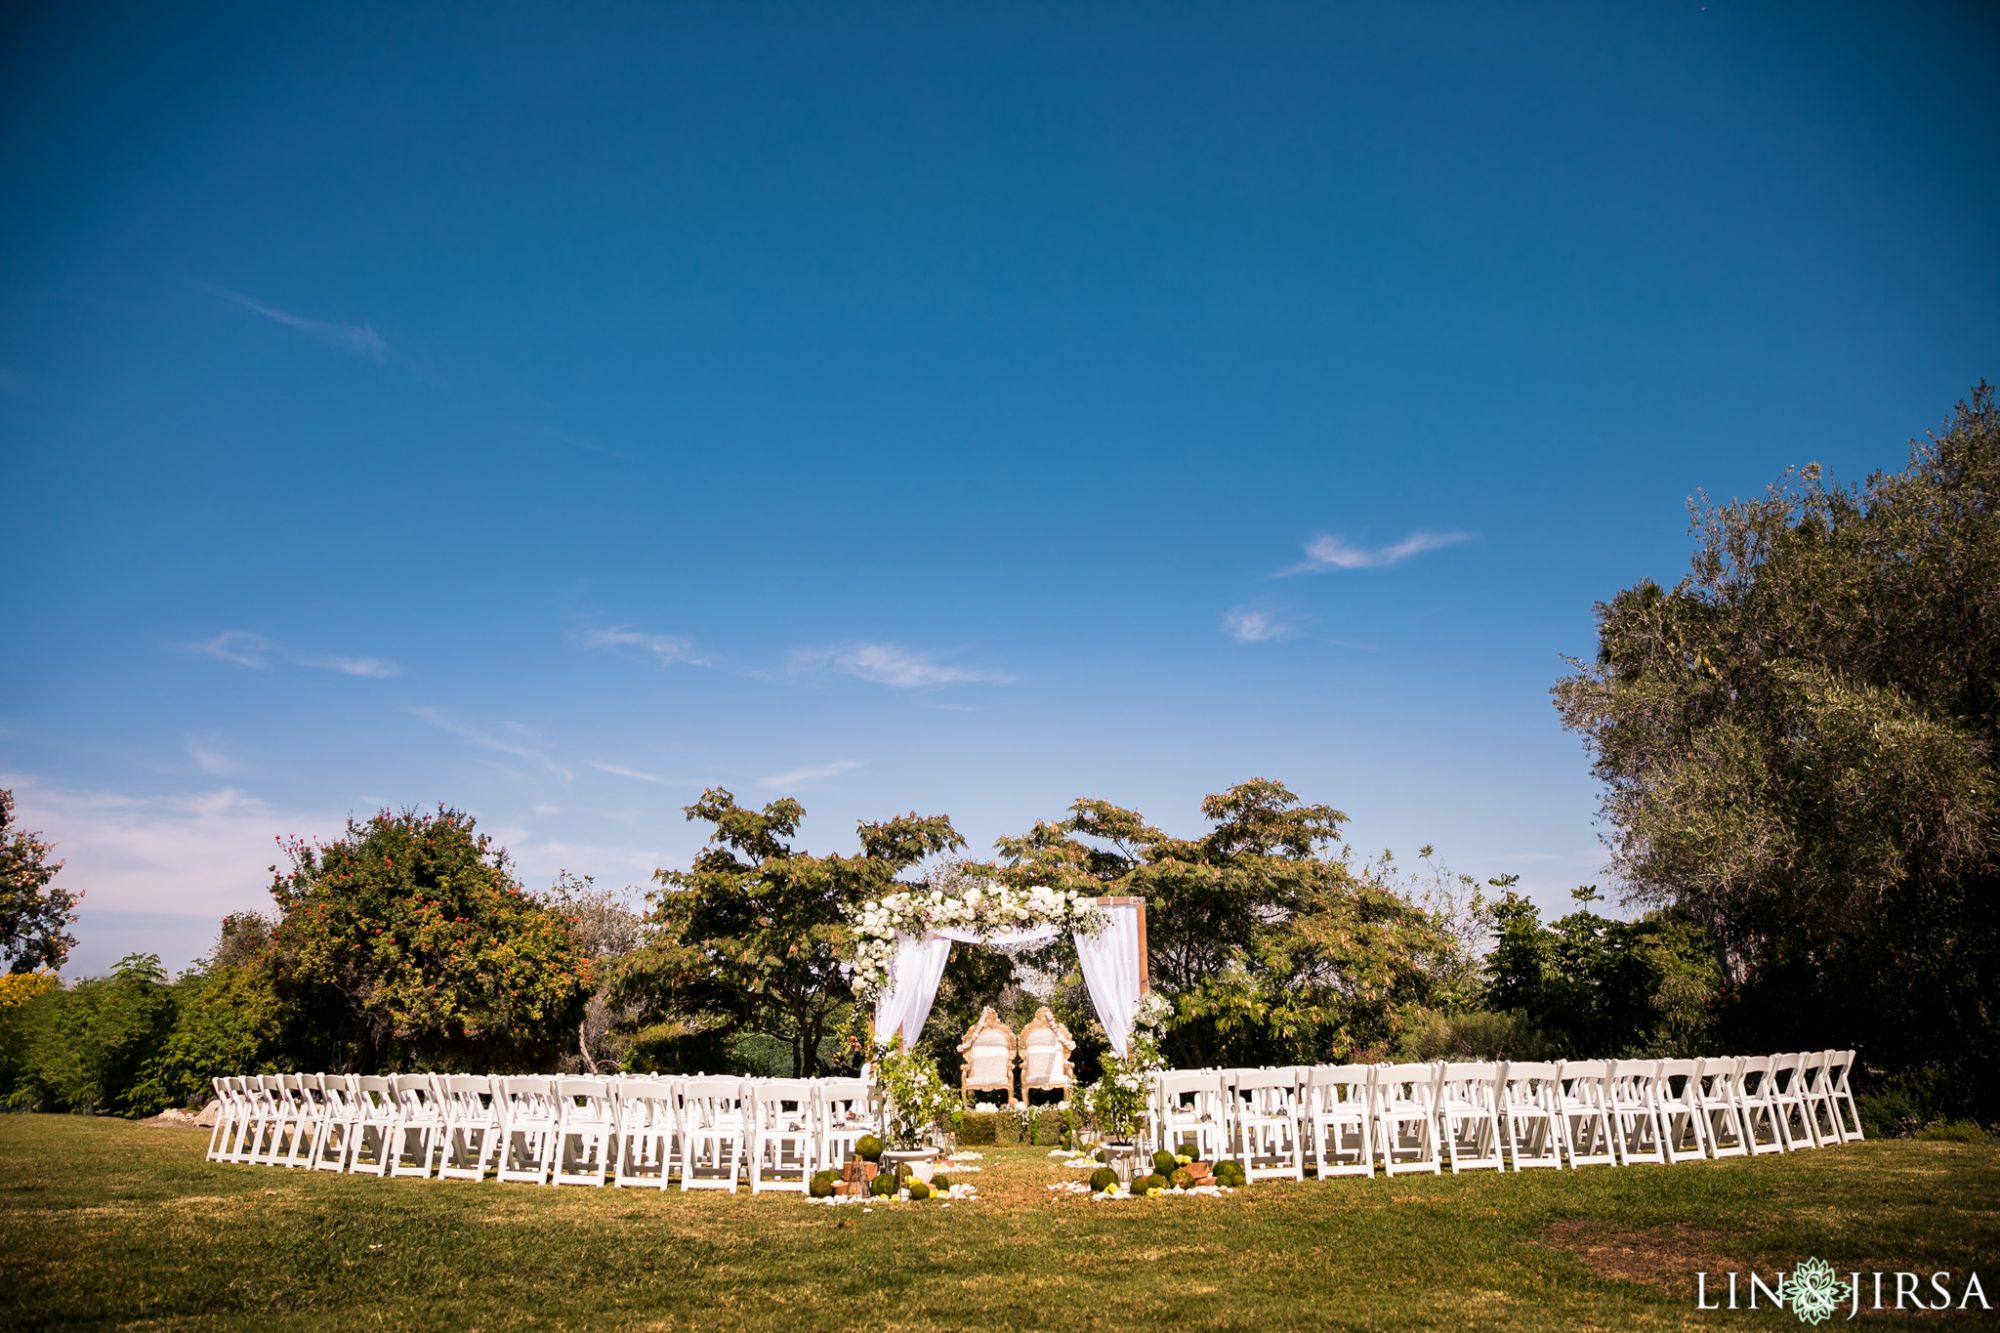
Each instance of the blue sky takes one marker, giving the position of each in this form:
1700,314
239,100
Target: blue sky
551,410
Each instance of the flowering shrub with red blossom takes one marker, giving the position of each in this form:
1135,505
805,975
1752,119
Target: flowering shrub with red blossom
410,944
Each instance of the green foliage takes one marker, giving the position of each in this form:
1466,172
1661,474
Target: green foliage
1955,1131
751,937
1181,1178
1164,1163
1230,1174
1103,1178
1272,945
919,1190
1588,986
227,1020
408,942
940,1182
868,1148
1798,744
1481,1034
821,1185
916,1100
86,1047
883,1185
35,915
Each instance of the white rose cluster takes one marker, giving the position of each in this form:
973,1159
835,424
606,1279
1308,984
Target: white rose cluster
980,907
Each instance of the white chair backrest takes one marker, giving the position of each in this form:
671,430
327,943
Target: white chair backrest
584,1098
709,1102
1335,1087
1407,1083
1529,1082
415,1098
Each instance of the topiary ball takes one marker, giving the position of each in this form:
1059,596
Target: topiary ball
822,1185
1103,1178
882,1186
1191,1150
868,1148
940,1183
1181,1179
1164,1163
919,1190
1102,1154
1230,1174
1138,1185
1155,1183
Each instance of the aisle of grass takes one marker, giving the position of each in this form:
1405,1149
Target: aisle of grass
107,1221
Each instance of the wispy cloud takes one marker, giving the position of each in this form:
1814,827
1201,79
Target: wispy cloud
636,774
240,647
668,649
235,646
374,668
210,761
361,339
799,777
892,665
485,740
1246,625
1329,552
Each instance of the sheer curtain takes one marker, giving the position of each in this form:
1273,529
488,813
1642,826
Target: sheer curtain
905,1003
1110,961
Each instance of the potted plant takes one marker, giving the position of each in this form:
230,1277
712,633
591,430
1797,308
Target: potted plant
916,1108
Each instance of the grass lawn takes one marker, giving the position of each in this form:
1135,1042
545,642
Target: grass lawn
107,1222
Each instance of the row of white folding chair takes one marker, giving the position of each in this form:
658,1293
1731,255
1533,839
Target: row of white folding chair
1416,1117
546,1130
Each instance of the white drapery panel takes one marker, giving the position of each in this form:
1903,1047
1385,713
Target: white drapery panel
905,1002
1110,961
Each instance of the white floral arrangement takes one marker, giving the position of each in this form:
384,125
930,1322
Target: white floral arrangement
954,901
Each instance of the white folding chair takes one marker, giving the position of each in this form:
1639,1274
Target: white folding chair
1718,1099
1635,1112
1406,1118
1817,1093
1469,1115
469,1132
259,1109
331,1145
219,1131
529,1120
375,1116
1529,1095
585,1122
713,1123
418,1120
782,1134
1677,1097
1847,1116
845,1114
1191,1107
1788,1094
1265,1103
647,1132
1757,1100
1340,1114
1583,1112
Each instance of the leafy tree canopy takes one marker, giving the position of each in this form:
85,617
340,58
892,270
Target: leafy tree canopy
1798,743
35,915
408,940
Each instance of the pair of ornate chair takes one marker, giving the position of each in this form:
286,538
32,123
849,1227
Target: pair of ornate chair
990,1053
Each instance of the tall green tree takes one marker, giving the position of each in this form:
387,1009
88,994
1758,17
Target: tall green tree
1271,944
35,913
751,937
1798,742
409,942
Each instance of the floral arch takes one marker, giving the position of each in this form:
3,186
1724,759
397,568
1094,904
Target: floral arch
906,937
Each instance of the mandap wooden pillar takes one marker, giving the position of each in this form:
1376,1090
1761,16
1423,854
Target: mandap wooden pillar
1145,965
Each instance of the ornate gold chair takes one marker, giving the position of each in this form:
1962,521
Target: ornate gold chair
986,1057
1045,1050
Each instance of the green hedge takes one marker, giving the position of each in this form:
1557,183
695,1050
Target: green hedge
980,1128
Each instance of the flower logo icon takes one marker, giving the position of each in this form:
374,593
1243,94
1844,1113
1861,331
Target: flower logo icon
1814,1291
